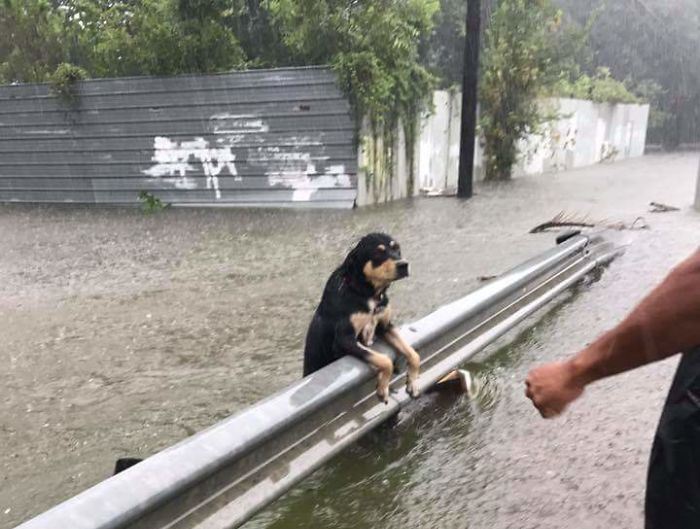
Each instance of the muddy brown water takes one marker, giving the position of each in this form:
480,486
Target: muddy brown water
123,333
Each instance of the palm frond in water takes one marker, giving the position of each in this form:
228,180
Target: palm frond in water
568,220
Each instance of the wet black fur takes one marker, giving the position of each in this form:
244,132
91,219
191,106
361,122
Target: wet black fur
331,334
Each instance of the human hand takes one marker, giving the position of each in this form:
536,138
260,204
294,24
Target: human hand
552,387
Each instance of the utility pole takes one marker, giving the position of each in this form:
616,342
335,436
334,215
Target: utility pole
467,137
697,192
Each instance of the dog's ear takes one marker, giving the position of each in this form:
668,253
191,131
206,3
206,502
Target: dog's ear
351,263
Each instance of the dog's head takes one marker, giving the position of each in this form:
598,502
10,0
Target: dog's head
377,257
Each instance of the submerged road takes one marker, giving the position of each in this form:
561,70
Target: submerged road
123,333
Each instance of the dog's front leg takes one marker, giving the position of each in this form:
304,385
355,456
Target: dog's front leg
346,341
384,367
394,338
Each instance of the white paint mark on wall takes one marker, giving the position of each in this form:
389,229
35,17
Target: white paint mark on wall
172,162
304,180
237,124
290,166
296,159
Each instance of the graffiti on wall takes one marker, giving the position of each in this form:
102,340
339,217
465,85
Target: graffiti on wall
173,159
241,142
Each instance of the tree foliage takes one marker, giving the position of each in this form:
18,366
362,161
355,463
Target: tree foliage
373,45
63,80
151,37
388,54
529,49
652,44
600,87
31,40
443,50
517,65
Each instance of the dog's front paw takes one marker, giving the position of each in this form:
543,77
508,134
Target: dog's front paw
412,388
383,394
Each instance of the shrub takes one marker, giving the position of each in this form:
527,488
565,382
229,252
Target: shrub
62,81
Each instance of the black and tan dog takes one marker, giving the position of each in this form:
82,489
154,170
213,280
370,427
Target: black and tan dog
354,308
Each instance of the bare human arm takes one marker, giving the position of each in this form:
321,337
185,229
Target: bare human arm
666,322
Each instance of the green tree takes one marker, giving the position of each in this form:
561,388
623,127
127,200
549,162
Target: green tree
651,43
206,42
443,52
373,46
31,40
156,37
600,87
116,37
259,37
517,66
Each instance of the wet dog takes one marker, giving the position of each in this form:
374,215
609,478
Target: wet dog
355,308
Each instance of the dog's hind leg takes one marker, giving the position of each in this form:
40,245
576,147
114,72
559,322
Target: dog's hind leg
394,338
346,341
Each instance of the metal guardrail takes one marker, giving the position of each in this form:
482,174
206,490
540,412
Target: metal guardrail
222,476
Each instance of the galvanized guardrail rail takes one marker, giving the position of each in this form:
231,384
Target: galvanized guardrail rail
222,476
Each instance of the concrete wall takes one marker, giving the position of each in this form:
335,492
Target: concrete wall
587,133
385,169
386,174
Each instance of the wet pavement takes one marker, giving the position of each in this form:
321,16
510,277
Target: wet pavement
123,333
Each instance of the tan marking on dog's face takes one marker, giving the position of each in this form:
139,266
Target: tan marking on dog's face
381,275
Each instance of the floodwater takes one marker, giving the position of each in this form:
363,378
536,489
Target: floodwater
123,333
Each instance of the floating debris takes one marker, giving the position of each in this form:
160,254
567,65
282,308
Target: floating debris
658,207
564,220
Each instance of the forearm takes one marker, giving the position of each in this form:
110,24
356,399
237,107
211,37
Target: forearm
666,322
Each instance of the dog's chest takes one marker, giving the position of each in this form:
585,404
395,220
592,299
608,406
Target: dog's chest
365,323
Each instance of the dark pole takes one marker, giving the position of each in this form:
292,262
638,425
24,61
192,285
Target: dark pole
469,85
697,192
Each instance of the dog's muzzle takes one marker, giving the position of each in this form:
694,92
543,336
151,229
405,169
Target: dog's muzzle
401,269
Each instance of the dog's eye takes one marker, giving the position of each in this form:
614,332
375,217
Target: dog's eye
381,248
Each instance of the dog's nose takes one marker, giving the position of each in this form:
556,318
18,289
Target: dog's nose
401,269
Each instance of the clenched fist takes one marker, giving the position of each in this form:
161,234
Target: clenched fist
552,387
